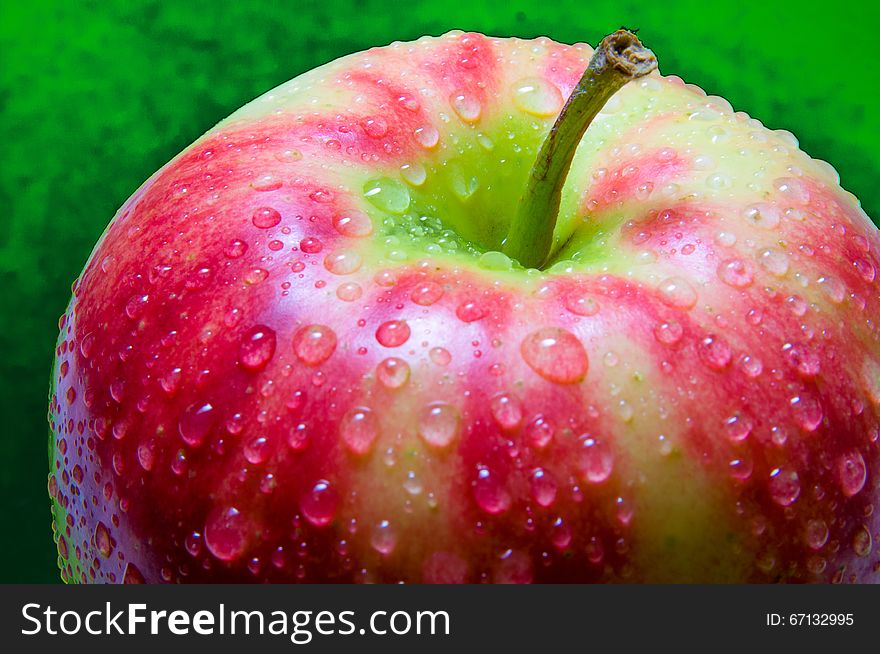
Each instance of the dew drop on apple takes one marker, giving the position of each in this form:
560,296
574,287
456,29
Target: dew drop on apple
556,355
506,410
668,332
816,534
319,504
466,106
195,422
226,533
387,195
313,344
440,356
762,214
738,427
865,269
489,493
311,245
375,127
298,437
349,291
834,289
393,333
807,411
470,311
427,136
852,472
414,173
862,542
392,372
256,451
426,293
595,461
439,424
103,541
736,273
266,182
539,432
560,534
343,262
383,538
741,468
871,379
784,486
359,430
257,348
715,352
537,97
677,292
542,487
773,261
493,260
354,224
582,303
265,217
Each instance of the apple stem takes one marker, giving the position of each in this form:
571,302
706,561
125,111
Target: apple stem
619,58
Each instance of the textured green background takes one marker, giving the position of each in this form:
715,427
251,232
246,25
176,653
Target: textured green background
95,96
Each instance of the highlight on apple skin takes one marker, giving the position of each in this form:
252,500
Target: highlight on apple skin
299,352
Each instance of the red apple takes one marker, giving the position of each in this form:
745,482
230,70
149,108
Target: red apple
306,349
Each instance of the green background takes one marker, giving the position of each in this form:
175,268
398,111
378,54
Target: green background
95,96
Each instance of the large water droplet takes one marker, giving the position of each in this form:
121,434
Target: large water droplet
490,494
556,355
257,348
785,486
313,344
343,262
439,423
677,292
807,411
466,106
669,332
537,97
265,217
392,372
715,352
427,136
354,224
595,460
359,430
543,487
319,504
426,293
195,422
226,534
393,333
387,195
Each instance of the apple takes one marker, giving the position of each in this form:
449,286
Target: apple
413,316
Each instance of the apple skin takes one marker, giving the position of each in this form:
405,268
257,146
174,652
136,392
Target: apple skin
273,368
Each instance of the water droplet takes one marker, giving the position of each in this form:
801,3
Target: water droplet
865,269
833,288
539,432
313,344
319,504
265,217
343,262
493,260
439,424
556,355
543,488
808,412
537,97
427,136
741,468
195,423
257,348
816,534
668,333
440,356
426,293
349,291
595,461
489,493
785,486
311,245
582,303
803,359
354,224
360,429
103,541
762,214
387,195
507,411
852,472
375,127
560,534
414,173
256,451
298,438
715,352
383,539
466,106
862,542
736,273
738,427
393,333
226,534
773,261
677,293
470,311
392,372
513,567
267,182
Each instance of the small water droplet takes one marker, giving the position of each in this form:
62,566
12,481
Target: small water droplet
414,173
582,303
427,136
715,352
375,127
354,224
736,273
785,486
226,534
595,461
392,372
387,195
257,348
359,430
393,333
343,262
426,293
195,423
470,311
539,432
507,411
466,106
852,472
103,541
816,534
543,487
383,539
537,97
440,356
439,424
807,411
490,494
862,542
349,291
319,504
677,292
265,217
